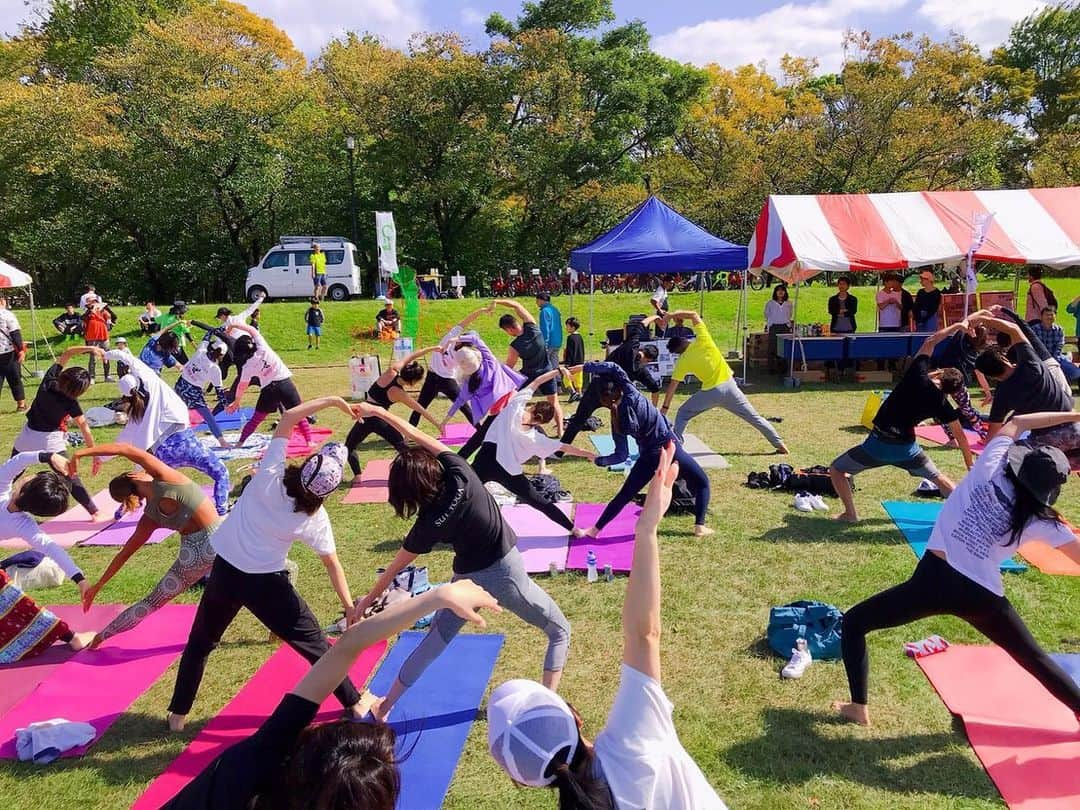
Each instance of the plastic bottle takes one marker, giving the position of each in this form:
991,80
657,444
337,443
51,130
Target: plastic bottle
609,574
590,563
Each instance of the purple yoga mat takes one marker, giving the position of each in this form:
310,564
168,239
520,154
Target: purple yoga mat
21,678
614,546
457,433
118,533
97,686
541,541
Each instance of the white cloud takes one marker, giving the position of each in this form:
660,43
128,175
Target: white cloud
312,25
985,22
473,17
13,14
800,29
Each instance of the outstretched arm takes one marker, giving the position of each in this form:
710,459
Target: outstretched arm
406,399
74,350
412,358
1016,335
522,313
154,466
291,418
143,530
933,340
340,585
1036,421
365,410
689,314
476,313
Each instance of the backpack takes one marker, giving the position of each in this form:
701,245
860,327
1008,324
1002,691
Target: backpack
814,480
1051,299
682,499
817,622
549,488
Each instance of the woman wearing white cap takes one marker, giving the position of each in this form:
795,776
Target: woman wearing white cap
201,370
157,421
637,761
282,503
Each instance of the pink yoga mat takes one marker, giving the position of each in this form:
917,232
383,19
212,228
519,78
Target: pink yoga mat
541,540
97,686
243,715
370,485
298,448
614,546
937,435
118,533
457,433
20,679
74,526
1025,738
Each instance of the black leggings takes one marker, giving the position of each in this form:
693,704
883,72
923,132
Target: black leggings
78,490
361,430
275,603
587,406
474,442
643,471
11,374
432,387
938,589
487,467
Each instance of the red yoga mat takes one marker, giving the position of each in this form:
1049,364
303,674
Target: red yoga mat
371,485
1026,739
936,434
21,678
614,546
97,686
243,715
298,448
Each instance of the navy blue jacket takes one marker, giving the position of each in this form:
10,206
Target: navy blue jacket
637,417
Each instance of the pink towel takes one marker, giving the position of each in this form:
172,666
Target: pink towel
614,546
936,434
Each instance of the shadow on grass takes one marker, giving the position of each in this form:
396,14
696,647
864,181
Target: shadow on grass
817,527
792,751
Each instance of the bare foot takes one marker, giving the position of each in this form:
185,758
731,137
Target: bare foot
782,450
576,532
377,709
100,517
701,530
81,641
592,531
177,721
853,712
847,517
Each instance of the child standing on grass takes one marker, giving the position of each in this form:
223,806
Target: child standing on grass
314,319
574,355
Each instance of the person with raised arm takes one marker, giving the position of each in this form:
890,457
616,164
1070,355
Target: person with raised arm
452,506
281,504
201,370
170,500
637,760
529,347
441,377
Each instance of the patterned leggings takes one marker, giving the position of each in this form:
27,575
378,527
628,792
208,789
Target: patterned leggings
194,561
969,417
183,449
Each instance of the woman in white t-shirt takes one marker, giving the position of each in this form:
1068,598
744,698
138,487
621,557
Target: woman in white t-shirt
1004,501
778,318
637,761
277,391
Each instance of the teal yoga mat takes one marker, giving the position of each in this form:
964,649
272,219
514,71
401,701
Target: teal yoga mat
916,519
433,719
605,446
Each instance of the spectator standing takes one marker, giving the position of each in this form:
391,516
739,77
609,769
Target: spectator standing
69,323
574,355
842,309
314,320
89,294
148,318
1073,308
928,303
12,352
550,327
778,319
1052,336
96,323
890,304
318,272
1039,296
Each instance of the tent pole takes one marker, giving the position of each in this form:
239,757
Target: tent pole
741,326
1016,288
33,331
592,302
794,332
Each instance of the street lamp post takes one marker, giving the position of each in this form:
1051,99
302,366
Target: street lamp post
350,147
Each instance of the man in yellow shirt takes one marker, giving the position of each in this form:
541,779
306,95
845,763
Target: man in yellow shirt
702,358
318,272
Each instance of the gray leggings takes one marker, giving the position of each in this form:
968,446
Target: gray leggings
727,396
507,581
192,563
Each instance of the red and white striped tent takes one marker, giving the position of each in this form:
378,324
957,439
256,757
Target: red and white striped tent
798,236
13,277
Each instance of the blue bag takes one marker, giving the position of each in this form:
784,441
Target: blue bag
816,622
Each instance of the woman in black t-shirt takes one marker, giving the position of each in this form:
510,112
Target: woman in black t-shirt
56,402
927,304
451,506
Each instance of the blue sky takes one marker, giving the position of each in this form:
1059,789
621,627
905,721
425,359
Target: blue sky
698,31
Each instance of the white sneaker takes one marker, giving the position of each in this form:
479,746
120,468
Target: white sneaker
818,503
800,660
802,502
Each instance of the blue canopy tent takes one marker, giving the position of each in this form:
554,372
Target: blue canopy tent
655,238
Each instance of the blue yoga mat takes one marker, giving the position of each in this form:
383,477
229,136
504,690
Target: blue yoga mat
915,520
229,421
1070,662
605,446
433,719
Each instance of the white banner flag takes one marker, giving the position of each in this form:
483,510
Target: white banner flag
386,239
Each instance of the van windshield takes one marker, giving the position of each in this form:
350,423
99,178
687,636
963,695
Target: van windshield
277,259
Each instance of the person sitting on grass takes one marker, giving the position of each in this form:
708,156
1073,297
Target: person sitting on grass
68,323
1005,501
920,395
637,760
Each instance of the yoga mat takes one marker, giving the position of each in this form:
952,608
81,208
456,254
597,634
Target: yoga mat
21,678
457,433
225,421
1024,737
605,446
298,448
1048,559
541,540
704,455
242,716
433,719
254,447
97,686
615,544
916,519
73,526
936,435
118,533
370,486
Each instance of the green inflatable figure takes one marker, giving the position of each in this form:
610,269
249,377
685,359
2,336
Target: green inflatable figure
405,278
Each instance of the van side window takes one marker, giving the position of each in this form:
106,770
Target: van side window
277,259
302,258
335,256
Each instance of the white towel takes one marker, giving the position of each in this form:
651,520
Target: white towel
44,742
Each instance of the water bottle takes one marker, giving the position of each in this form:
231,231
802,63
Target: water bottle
590,563
553,569
609,574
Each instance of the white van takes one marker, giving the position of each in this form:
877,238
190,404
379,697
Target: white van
285,271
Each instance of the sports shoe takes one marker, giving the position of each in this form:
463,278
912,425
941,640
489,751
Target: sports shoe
799,661
802,502
574,397
818,503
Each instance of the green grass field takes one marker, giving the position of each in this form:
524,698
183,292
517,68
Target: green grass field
763,743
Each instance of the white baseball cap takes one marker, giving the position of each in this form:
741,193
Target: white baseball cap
528,727
127,384
120,340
